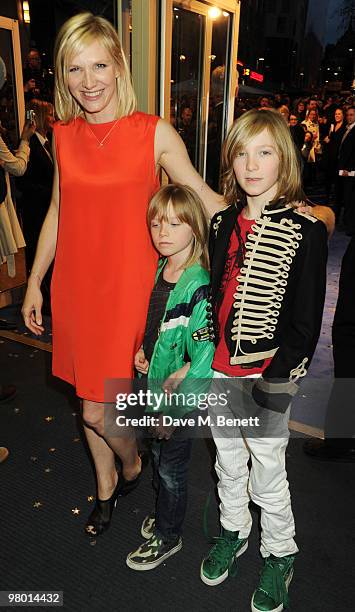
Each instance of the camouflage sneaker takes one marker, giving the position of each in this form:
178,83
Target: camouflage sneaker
152,553
148,526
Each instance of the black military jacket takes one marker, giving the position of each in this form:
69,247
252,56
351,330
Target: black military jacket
279,299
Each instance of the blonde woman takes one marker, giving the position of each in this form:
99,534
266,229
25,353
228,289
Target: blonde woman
106,162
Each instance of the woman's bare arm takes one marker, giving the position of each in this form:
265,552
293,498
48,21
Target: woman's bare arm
171,155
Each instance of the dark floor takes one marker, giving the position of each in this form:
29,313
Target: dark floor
45,547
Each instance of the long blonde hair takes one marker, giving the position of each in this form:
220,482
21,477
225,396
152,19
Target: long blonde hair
242,131
189,209
75,34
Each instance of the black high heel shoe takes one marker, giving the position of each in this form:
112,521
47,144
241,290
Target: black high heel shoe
100,518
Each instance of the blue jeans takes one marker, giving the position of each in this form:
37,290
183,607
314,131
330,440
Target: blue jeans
170,473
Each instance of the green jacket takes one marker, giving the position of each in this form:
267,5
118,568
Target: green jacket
185,335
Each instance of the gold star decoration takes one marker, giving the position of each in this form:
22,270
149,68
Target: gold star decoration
37,504
47,470
75,511
49,418
90,529
91,498
52,450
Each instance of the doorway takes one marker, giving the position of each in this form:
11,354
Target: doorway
199,76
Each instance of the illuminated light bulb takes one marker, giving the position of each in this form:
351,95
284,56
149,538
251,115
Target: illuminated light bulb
214,12
26,12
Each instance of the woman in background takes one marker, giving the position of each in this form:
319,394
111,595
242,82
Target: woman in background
11,237
36,185
330,156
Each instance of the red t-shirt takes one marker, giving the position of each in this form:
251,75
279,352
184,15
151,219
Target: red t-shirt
228,288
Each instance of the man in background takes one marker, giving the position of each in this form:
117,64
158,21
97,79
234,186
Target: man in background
346,165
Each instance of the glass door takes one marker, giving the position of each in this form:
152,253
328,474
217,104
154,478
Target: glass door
218,93
187,41
187,77
197,43
12,109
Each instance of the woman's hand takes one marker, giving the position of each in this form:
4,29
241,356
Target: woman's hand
322,213
305,208
32,307
140,362
28,130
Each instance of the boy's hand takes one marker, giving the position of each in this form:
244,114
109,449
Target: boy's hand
161,431
174,379
140,362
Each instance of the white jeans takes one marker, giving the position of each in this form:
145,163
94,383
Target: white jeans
265,484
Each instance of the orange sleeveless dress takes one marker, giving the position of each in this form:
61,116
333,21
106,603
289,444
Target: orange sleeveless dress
105,262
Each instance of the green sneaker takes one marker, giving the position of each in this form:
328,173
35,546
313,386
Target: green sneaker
216,566
152,553
272,592
148,526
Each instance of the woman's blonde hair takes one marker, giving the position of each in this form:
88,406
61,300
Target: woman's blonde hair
189,209
242,131
41,109
77,33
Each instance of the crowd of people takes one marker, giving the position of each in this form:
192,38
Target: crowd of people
243,313
320,129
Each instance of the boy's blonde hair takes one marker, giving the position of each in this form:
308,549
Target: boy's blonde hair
76,34
189,209
242,131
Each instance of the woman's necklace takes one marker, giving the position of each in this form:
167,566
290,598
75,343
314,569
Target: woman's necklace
101,142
